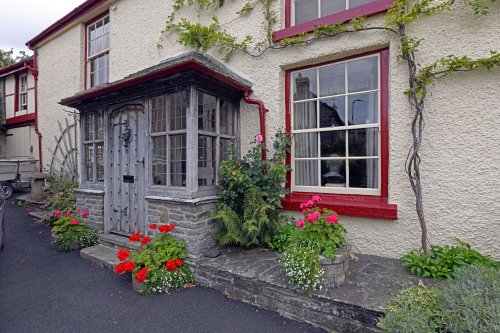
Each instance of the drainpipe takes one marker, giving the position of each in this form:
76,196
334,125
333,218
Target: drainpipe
34,70
262,113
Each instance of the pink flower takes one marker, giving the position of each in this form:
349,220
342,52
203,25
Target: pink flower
84,213
57,213
313,216
259,138
309,203
316,198
304,211
302,205
74,222
332,219
68,214
78,210
300,224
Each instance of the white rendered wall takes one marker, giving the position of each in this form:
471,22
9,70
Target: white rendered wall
461,159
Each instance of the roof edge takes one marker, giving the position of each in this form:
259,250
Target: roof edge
76,13
15,67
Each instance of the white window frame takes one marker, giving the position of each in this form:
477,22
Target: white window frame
23,92
318,129
292,12
105,52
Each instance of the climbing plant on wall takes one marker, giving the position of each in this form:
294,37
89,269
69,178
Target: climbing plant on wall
398,17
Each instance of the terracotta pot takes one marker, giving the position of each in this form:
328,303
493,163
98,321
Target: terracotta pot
336,269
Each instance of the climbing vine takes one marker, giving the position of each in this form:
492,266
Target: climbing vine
401,14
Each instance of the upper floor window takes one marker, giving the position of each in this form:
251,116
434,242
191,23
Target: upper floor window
98,52
336,126
308,10
23,92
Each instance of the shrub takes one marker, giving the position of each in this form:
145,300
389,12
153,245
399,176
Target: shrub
71,228
60,195
469,303
250,191
158,263
302,267
282,237
445,260
89,237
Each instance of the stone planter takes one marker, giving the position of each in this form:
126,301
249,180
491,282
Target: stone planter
75,246
336,269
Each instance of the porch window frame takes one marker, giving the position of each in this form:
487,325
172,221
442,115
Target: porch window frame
94,142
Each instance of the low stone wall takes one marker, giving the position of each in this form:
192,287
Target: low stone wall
93,202
192,219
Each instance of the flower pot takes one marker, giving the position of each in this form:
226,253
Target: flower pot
74,246
336,269
138,286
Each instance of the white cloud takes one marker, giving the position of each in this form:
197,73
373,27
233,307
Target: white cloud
22,20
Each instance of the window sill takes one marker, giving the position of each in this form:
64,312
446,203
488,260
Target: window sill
370,9
348,205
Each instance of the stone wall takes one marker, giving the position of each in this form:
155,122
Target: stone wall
192,219
93,201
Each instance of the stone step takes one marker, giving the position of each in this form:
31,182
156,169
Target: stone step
258,280
38,214
117,241
101,255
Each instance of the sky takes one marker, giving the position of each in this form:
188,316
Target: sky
21,20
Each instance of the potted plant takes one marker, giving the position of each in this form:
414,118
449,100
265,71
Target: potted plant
69,231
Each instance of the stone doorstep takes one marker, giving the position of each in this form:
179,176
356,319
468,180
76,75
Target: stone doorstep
101,255
117,242
38,214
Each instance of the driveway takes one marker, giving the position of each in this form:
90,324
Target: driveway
42,290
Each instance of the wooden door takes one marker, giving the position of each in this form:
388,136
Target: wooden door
127,169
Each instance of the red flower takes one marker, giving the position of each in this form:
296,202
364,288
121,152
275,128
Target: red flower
74,222
146,240
135,237
170,265
178,262
163,229
68,214
128,266
123,254
84,213
171,227
57,213
153,226
142,274
120,269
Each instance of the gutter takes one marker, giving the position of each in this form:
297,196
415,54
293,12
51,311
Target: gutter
33,67
262,113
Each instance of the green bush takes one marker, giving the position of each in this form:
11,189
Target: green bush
445,260
283,237
89,237
60,195
250,193
470,303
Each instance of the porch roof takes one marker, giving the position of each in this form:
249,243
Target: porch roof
202,63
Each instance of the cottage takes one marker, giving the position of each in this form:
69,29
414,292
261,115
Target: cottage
156,122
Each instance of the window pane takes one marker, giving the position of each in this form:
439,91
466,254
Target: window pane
306,145
356,3
89,162
306,173
305,10
333,144
227,117
304,115
363,74
98,45
106,25
206,112
177,112
332,112
304,84
333,173
363,142
178,160
332,6
363,173
363,108
225,149
332,80
206,160
100,161
93,65
98,29
88,126
158,115
159,160
99,126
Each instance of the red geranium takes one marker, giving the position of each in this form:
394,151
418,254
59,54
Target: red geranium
178,262
153,226
163,229
171,265
123,254
146,240
84,213
128,266
142,274
68,214
135,237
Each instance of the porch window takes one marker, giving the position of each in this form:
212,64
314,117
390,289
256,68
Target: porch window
93,146
335,111
23,92
98,52
213,127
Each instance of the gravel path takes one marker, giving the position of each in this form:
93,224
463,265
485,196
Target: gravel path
42,290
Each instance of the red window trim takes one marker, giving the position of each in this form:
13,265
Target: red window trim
19,121
16,93
370,9
90,22
352,205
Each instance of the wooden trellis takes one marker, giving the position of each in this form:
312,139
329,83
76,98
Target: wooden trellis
65,155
